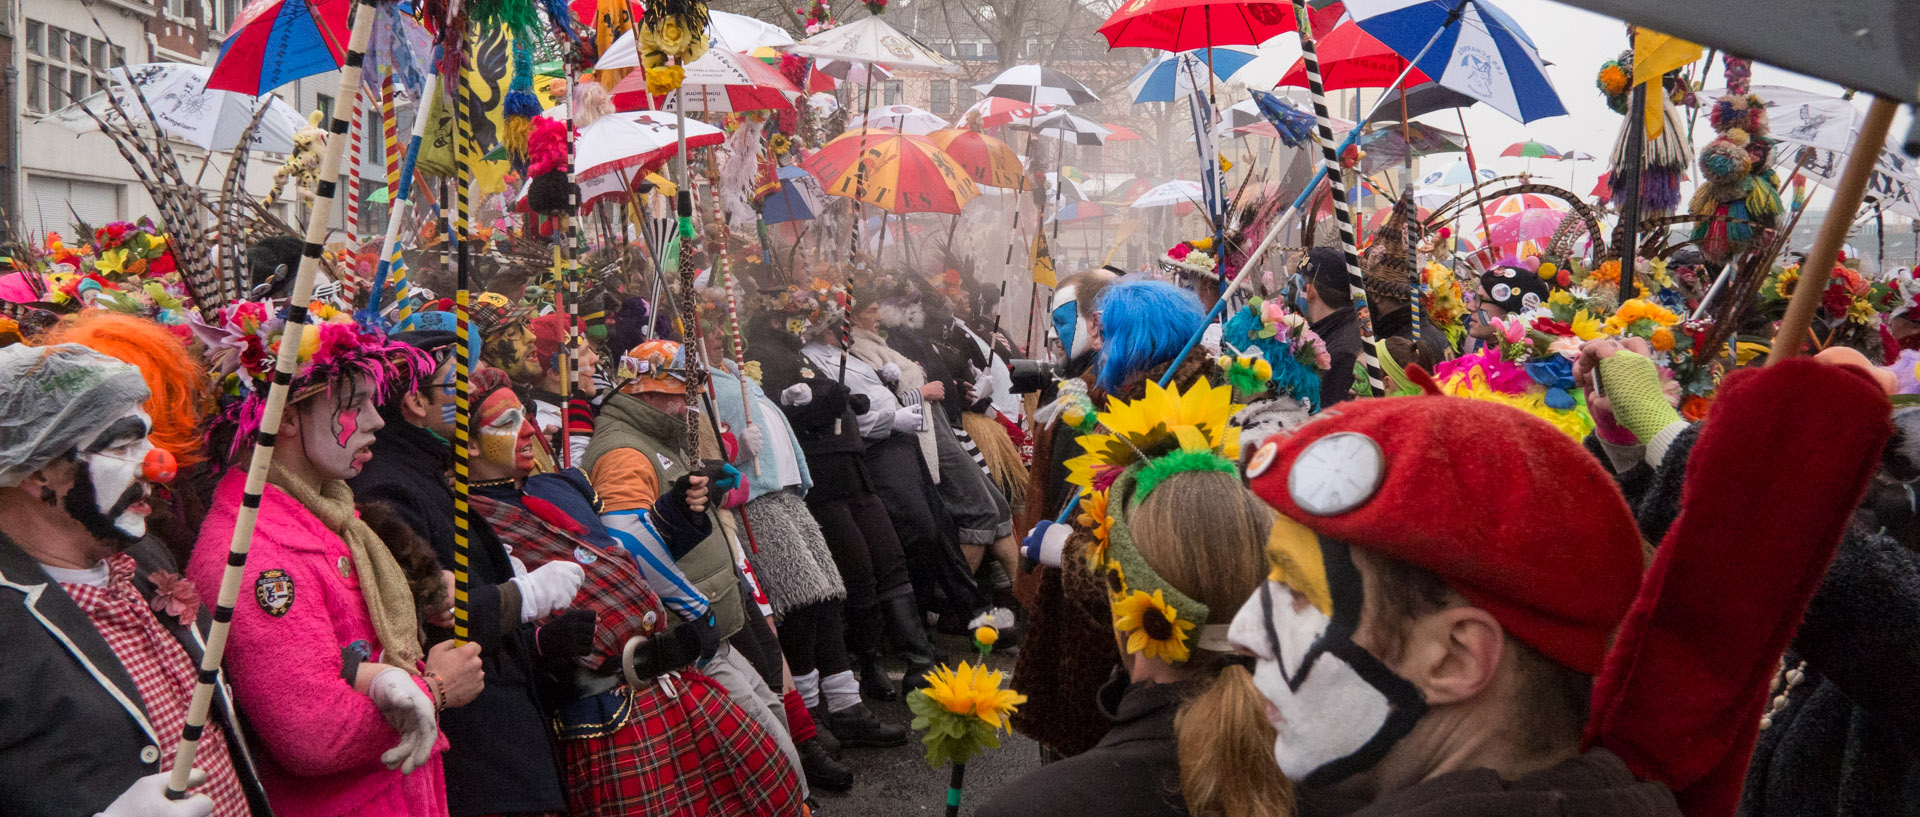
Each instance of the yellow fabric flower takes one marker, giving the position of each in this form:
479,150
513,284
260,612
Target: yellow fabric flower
971,690
1093,517
1783,283
986,635
111,262
1861,312
665,79
1585,325
1560,297
1636,310
1116,582
1152,626
1196,420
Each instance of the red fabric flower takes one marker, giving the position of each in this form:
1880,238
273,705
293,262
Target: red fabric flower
1548,326
175,596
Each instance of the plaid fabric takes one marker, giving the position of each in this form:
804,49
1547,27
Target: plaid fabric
613,588
164,675
695,753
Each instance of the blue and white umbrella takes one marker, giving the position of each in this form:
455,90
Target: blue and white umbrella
1180,74
1455,173
798,199
1469,46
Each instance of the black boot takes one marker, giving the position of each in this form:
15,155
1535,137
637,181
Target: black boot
857,726
916,677
821,733
874,683
822,770
910,641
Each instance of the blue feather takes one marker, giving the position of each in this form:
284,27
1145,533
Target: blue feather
1143,324
1290,376
560,15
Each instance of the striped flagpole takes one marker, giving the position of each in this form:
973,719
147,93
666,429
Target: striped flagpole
1342,210
571,243
356,153
399,207
463,375
284,364
1416,283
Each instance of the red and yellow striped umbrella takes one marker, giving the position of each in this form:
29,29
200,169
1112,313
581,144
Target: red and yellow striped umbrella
987,160
904,174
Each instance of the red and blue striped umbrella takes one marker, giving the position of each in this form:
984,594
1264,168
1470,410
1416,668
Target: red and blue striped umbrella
275,42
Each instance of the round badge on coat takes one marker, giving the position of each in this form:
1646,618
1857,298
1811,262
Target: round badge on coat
1500,292
1336,473
1262,459
584,556
346,567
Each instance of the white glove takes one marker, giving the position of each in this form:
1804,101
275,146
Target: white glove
796,395
410,712
890,373
550,587
147,797
753,439
982,386
910,419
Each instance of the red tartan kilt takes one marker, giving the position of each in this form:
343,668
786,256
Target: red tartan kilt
697,754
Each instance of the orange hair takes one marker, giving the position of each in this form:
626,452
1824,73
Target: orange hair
178,380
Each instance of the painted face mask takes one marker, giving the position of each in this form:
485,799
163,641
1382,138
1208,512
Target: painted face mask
514,350
109,494
502,418
1338,709
1068,326
338,427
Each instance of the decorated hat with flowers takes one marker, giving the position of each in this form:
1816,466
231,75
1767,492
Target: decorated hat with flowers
806,311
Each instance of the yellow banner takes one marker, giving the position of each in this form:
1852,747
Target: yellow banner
1042,262
1654,55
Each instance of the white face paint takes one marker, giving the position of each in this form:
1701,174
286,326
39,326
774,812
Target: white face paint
1068,327
114,463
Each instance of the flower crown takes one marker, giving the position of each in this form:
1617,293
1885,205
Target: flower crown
808,309
1270,346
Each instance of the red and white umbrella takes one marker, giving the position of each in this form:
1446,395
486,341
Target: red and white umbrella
721,82
635,142
903,118
996,111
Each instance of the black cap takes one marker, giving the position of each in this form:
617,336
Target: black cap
426,340
1326,265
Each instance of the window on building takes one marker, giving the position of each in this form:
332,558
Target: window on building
892,92
65,66
228,10
940,96
323,104
969,51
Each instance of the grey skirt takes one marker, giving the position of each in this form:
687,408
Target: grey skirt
792,562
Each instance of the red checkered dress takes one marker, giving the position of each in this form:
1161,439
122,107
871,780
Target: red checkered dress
685,756
163,674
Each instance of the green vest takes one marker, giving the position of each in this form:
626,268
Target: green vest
625,422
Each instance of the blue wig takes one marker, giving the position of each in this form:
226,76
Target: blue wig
1143,324
1290,377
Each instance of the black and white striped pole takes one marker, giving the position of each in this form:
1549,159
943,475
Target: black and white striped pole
284,365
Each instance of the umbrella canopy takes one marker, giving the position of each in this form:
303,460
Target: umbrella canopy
720,82
184,107
726,31
1177,76
274,42
795,196
903,118
1391,147
988,161
1424,98
1120,133
870,39
1178,191
1079,211
1524,228
1575,156
637,139
1184,25
1532,150
1069,128
1381,215
1352,58
996,111
1893,183
904,174
1455,173
1484,54
1508,205
1866,44
1037,85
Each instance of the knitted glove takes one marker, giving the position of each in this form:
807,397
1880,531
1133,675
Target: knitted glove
1631,383
568,635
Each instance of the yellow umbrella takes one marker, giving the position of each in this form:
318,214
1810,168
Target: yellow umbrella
902,173
987,160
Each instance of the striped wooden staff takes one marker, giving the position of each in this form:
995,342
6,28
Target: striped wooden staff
399,209
462,367
284,365
572,246
1416,283
356,154
1342,210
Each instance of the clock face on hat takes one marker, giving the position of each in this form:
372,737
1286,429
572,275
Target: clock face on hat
1336,473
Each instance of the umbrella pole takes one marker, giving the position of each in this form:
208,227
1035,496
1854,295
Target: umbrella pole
1342,209
285,363
1630,191
1833,231
1479,195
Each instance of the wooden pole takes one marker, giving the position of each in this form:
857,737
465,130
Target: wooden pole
1833,231
1629,203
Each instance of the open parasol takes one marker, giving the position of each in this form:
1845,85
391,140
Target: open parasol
274,42
988,161
903,174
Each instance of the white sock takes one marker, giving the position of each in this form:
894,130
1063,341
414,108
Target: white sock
809,687
842,689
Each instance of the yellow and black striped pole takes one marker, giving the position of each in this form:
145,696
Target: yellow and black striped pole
463,374
284,364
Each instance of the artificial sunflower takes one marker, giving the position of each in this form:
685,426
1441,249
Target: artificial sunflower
1116,582
960,712
1783,283
1162,421
1152,626
1585,326
971,690
1093,516
779,144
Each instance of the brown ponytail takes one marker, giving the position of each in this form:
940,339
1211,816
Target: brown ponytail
1204,532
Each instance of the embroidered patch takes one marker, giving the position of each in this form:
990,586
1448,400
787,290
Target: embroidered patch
806,373
273,589
665,464
362,648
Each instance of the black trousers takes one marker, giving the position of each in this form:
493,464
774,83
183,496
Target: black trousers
864,547
938,568
814,638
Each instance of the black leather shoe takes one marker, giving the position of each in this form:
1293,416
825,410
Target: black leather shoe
823,771
874,683
857,726
820,731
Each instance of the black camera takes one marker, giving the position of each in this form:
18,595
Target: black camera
1030,376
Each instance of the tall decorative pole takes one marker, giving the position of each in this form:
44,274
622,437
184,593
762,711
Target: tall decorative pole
463,153
399,208
284,365
1342,210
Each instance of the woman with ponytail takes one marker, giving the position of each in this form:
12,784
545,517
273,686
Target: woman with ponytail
1181,552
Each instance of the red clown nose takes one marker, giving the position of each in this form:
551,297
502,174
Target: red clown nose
159,466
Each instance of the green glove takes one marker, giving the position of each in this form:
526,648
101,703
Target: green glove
1631,383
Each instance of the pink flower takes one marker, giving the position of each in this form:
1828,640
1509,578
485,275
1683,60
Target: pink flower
175,596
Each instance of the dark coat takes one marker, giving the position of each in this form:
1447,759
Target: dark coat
74,732
1595,784
826,427
1398,323
1341,332
1133,772
500,757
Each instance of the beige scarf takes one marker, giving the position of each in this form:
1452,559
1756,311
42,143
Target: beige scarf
382,584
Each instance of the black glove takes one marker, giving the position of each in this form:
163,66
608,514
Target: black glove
707,631
674,649
682,529
859,402
567,635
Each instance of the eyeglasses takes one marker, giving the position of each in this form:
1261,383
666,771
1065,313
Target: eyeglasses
158,466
